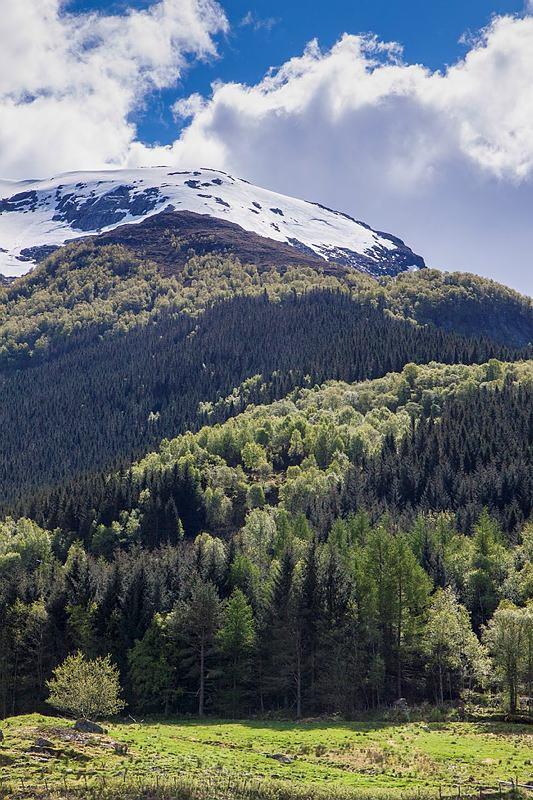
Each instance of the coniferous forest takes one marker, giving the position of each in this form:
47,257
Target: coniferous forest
292,499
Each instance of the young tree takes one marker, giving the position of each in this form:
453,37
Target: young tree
236,640
254,457
449,642
486,572
411,590
150,668
402,591
84,688
255,496
282,637
258,536
528,655
508,636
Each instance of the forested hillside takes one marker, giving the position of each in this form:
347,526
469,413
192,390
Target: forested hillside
340,474
462,302
99,401
263,540
107,289
431,438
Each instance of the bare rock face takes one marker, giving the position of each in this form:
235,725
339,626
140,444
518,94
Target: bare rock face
86,726
108,209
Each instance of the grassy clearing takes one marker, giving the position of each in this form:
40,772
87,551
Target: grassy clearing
339,758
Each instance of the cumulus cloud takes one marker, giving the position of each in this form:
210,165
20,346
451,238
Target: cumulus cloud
445,159
69,82
442,158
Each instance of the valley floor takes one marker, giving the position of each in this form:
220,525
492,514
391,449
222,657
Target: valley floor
305,759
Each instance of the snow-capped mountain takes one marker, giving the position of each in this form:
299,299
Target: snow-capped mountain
37,216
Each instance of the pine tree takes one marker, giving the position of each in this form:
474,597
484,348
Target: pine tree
236,641
151,671
194,624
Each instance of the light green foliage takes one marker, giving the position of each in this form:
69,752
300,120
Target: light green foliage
257,538
302,446
23,543
218,508
237,635
465,301
210,555
402,594
123,532
451,645
490,564
83,285
509,639
519,585
236,640
86,688
253,457
76,287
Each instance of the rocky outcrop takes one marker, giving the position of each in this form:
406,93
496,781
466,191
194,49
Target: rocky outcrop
281,758
87,726
107,209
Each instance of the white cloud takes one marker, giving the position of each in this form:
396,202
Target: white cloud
258,23
442,159
68,82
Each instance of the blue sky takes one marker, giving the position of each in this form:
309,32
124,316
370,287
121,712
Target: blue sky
431,32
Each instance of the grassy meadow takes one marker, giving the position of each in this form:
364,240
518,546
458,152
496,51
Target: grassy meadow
322,758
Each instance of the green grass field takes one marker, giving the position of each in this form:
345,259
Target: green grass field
382,758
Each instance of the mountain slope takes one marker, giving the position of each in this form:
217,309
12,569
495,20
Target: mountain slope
411,440
97,400
36,216
462,302
148,272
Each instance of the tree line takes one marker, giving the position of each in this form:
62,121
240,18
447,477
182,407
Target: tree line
275,620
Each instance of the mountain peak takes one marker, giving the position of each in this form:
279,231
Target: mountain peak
37,216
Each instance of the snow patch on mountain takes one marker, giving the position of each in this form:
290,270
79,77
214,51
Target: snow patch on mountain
35,215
